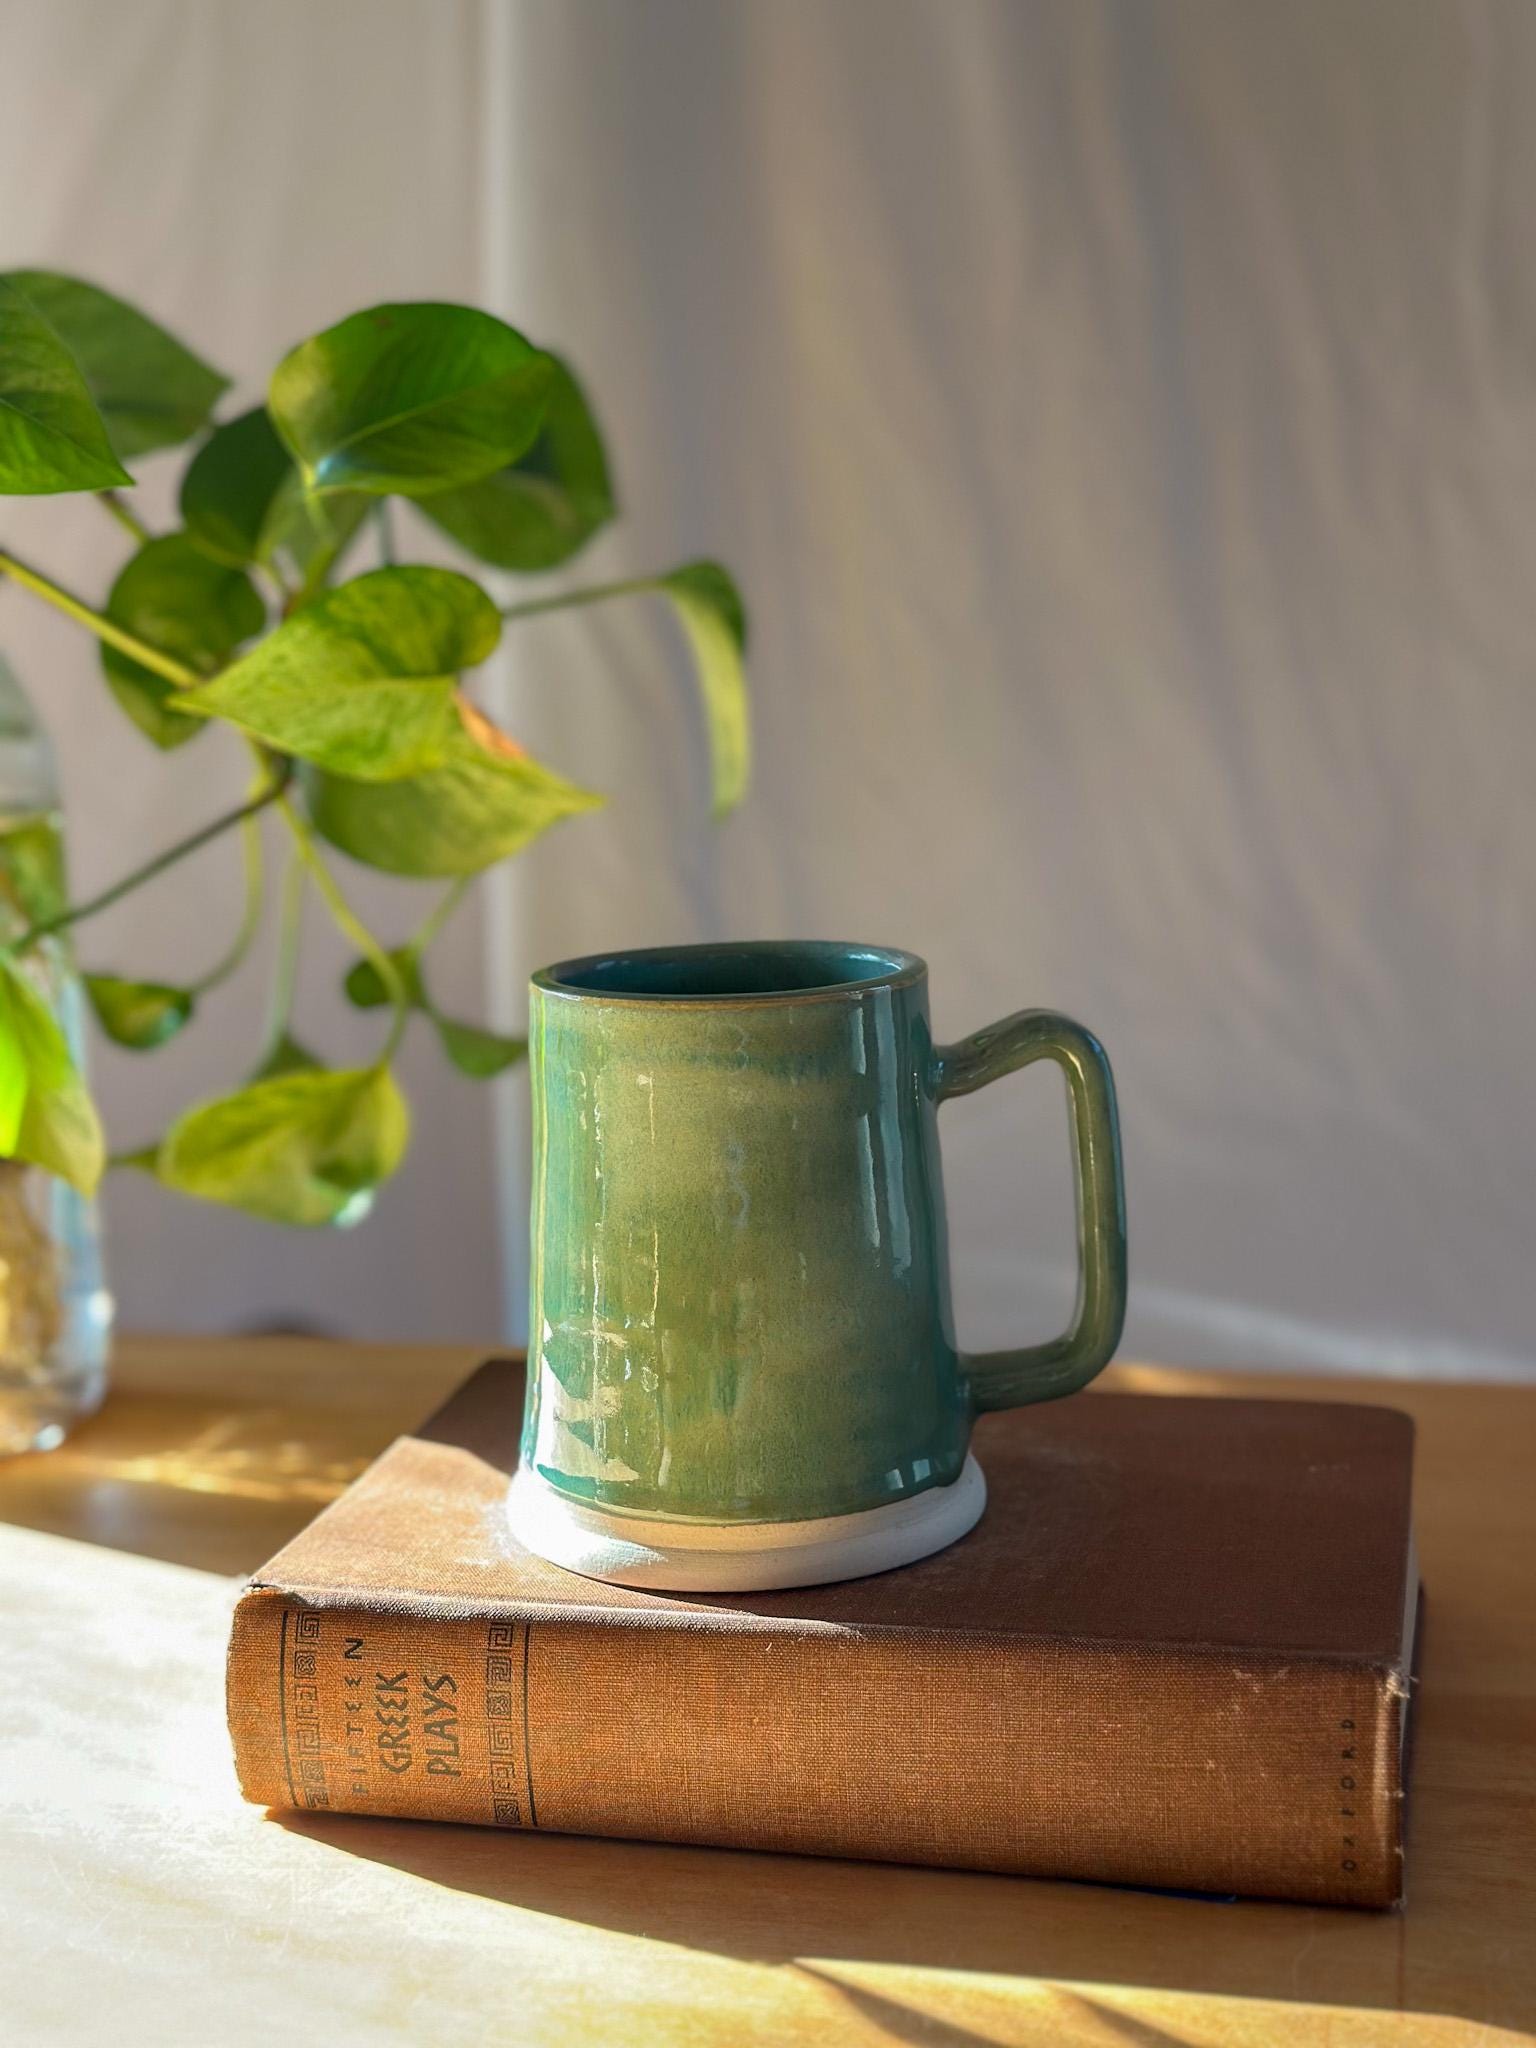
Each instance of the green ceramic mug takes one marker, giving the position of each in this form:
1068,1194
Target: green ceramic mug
742,1363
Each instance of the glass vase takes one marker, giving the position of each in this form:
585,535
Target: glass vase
55,1310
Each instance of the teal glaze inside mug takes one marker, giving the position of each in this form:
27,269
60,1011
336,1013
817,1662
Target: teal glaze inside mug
751,968
741,1308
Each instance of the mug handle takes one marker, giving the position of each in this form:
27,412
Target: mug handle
1044,1372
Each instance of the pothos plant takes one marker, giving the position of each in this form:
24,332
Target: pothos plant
343,684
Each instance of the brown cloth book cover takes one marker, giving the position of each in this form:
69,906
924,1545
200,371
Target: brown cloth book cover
1175,1652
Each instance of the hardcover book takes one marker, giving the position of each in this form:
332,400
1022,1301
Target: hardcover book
1176,1652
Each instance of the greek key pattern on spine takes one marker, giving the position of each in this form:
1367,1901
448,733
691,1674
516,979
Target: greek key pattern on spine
506,1720
306,1750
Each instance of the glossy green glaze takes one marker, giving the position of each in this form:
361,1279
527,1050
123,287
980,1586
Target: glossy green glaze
741,1303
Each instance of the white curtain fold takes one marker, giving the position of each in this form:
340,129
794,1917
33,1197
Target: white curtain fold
1122,418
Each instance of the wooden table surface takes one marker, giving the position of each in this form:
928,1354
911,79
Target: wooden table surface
145,1904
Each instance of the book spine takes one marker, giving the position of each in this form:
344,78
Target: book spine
1186,1769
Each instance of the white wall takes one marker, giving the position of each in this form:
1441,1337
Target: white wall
1123,421
1123,418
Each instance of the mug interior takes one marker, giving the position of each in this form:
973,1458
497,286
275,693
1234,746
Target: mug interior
761,967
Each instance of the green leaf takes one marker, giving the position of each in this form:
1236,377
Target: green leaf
229,486
52,438
13,1083
475,1051
364,985
484,801
538,511
709,607
410,398
305,1148
50,1122
243,501
181,601
151,391
138,1014
287,1056
361,681
32,882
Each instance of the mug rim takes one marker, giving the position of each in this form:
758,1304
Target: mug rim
898,969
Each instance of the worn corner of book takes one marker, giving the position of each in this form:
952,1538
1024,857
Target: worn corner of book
1397,1682
260,1592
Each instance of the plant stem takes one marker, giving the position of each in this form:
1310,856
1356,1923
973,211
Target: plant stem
321,563
104,628
76,912
285,965
145,1156
320,566
125,516
350,924
593,594
250,916
439,915
386,533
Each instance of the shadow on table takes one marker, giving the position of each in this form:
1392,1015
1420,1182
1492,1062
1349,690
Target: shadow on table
206,1482
803,1910
217,1465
